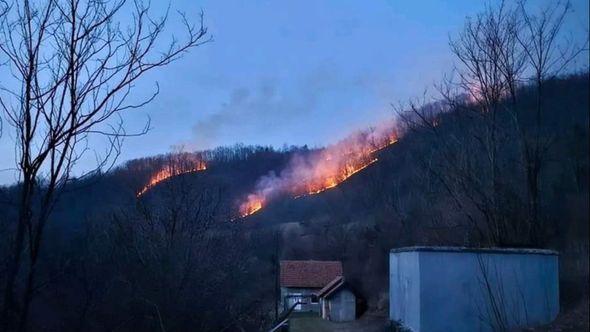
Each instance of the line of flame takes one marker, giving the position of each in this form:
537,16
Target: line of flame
167,173
255,203
339,181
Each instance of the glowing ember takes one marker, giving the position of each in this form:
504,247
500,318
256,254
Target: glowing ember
172,170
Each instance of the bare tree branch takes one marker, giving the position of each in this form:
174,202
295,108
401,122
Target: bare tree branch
75,67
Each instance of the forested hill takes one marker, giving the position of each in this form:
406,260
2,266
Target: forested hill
435,185
395,181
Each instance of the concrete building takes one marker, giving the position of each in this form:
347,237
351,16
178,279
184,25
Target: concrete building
460,289
337,301
300,282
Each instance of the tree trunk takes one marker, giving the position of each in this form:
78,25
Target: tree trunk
25,215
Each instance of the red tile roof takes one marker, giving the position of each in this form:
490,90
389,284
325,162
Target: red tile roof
309,274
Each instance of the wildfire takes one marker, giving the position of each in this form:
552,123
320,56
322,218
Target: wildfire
171,170
331,182
356,155
321,170
252,205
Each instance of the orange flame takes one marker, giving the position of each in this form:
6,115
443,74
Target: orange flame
356,154
170,171
331,182
320,171
252,205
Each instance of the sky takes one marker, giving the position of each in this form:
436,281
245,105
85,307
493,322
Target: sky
292,72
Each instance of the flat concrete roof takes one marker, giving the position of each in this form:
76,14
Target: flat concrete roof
520,251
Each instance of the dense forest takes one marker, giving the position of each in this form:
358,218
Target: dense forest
498,159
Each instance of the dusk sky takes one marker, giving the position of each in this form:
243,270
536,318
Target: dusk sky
296,72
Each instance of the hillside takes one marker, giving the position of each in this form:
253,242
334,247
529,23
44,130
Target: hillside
411,195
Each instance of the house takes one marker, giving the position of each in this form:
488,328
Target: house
337,301
300,281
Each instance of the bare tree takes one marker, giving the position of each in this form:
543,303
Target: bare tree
158,264
497,51
547,55
481,50
75,66
457,168
168,241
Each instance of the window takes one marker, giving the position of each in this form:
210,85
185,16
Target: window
294,298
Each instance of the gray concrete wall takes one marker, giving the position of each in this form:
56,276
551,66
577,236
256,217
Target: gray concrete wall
473,290
342,306
404,288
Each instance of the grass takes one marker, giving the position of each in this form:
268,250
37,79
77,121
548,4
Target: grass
301,322
311,322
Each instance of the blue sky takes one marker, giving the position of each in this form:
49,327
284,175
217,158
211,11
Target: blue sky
295,72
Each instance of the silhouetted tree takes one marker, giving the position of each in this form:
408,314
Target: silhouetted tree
74,67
